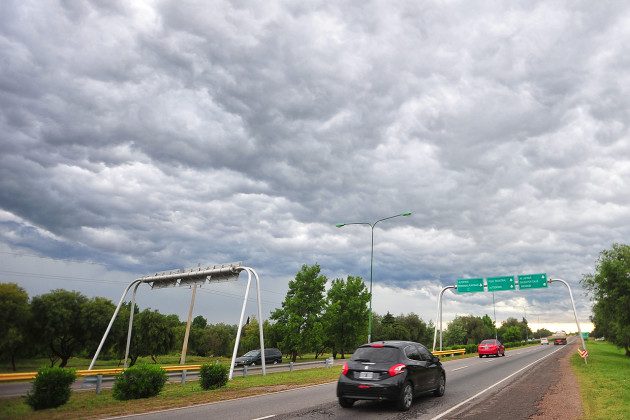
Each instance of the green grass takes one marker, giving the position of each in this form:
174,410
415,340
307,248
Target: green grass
604,381
85,405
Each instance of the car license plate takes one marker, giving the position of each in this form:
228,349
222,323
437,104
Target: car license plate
365,375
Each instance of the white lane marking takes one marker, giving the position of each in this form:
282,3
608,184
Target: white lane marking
266,417
439,416
463,367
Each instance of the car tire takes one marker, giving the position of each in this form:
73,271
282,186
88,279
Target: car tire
406,397
439,391
346,402
275,362
480,356
253,364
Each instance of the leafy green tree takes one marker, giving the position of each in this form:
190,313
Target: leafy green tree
418,329
250,336
199,322
152,335
56,323
476,329
455,334
220,339
522,326
301,311
95,316
542,332
609,287
511,333
346,315
14,316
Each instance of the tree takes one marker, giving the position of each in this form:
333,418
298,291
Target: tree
522,327
56,323
455,334
346,315
609,286
199,322
476,329
511,333
95,316
14,316
542,332
152,335
300,314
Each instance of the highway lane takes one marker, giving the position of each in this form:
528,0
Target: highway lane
466,378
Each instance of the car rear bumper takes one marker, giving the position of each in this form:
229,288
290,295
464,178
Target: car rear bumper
388,389
488,352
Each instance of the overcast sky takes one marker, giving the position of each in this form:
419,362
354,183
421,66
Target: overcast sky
144,136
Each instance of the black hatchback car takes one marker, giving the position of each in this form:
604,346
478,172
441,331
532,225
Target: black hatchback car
252,358
390,370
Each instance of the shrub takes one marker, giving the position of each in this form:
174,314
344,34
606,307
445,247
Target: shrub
213,376
140,381
51,388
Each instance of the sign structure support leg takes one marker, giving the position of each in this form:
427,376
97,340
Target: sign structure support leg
438,322
132,308
111,322
574,312
250,271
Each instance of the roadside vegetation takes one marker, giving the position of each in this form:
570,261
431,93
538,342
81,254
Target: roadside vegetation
85,405
604,381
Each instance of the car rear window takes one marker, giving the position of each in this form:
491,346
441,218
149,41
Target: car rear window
488,342
376,354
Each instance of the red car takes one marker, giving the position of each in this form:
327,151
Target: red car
491,346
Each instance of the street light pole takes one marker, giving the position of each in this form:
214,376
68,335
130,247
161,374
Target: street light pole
371,225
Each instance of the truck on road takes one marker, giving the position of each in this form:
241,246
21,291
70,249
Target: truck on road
559,337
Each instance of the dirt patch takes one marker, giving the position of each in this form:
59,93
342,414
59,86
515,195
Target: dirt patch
563,400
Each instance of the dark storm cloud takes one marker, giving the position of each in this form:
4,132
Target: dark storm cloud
158,135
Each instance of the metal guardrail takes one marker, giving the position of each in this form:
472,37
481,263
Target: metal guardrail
449,352
22,376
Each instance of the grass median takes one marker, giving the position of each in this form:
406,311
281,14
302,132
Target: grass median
604,381
87,405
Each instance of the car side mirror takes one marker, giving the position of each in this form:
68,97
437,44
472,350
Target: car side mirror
435,359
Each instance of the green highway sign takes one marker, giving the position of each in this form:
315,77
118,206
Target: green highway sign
532,281
496,284
469,285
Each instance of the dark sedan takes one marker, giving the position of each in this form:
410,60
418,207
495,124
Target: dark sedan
390,370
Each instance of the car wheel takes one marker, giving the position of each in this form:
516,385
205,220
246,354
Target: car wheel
439,391
406,397
346,402
275,362
480,356
253,364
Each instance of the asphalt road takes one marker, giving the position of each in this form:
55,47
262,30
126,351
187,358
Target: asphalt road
476,388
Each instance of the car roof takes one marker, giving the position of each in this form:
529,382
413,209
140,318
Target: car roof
392,343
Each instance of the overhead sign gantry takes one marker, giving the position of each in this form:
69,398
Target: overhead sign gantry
191,277
501,283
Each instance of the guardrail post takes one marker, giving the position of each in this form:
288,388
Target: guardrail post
183,377
99,382
290,366
244,370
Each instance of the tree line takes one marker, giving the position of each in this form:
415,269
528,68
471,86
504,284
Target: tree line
609,287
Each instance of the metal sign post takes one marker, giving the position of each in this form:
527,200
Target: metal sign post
574,314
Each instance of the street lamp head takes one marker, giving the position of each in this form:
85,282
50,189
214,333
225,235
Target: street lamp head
340,225
408,213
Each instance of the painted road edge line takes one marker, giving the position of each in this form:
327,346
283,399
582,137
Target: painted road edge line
439,416
463,367
166,410
266,417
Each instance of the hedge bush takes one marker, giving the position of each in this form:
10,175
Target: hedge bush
140,381
213,376
51,388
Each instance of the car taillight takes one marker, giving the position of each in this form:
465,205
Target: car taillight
377,345
396,369
344,371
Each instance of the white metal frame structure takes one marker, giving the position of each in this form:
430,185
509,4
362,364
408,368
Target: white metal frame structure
194,276
549,281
